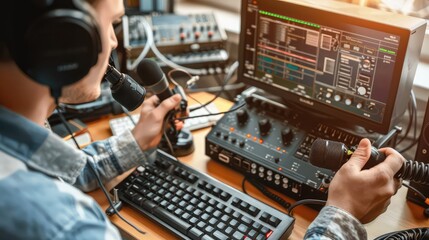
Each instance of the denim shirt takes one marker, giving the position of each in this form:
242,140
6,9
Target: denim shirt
34,204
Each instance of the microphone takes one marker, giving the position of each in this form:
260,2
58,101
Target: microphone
176,142
332,155
153,79
125,90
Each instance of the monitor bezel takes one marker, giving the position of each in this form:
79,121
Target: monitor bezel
328,18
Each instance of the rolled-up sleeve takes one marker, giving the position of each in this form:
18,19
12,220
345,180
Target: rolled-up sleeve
335,223
110,158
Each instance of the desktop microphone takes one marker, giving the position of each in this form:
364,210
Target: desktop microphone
176,142
153,79
332,155
125,90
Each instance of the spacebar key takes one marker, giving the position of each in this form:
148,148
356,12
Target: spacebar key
172,220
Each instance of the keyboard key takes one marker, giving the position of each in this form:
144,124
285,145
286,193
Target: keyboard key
195,233
172,220
219,235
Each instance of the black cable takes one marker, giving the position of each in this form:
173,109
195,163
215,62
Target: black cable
319,202
412,144
266,192
420,194
96,174
416,171
172,80
231,71
409,234
63,119
304,201
198,102
110,200
213,114
410,121
216,89
415,138
129,116
170,146
228,76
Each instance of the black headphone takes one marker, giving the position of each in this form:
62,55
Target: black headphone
55,42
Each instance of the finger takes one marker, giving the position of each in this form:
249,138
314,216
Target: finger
153,100
150,103
360,155
168,104
394,160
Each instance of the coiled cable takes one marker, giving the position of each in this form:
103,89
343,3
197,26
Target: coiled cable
417,172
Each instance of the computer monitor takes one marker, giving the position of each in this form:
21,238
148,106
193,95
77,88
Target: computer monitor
354,64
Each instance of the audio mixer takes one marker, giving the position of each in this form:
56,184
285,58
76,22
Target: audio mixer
271,142
174,34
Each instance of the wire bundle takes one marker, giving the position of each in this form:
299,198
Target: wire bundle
409,234
416,171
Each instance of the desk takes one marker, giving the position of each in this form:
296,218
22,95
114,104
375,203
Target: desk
400,215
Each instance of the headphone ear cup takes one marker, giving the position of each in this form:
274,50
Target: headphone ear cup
59,47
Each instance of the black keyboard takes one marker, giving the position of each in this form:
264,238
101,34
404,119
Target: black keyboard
194,205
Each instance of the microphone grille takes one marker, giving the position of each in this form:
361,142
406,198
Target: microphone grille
327,154
149,72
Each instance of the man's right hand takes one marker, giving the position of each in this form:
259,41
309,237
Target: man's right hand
150,127
365,193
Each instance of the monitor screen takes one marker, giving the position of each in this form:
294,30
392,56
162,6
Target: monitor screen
317,55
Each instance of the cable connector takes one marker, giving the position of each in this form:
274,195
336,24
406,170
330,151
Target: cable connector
192,80
117,204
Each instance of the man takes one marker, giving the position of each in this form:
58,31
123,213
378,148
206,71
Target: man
36,204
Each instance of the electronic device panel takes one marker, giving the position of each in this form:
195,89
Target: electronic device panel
351,63
173,33
270,142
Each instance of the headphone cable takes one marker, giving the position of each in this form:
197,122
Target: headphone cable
100,183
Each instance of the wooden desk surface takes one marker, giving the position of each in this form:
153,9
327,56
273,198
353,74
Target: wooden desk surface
400,215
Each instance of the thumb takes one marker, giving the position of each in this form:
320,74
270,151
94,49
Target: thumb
361,154
168,104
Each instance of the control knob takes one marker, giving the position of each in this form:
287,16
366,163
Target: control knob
287,135
366,63
264,126
242,116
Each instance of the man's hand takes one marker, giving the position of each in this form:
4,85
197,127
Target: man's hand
149,129
365,193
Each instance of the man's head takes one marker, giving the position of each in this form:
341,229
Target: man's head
76,57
